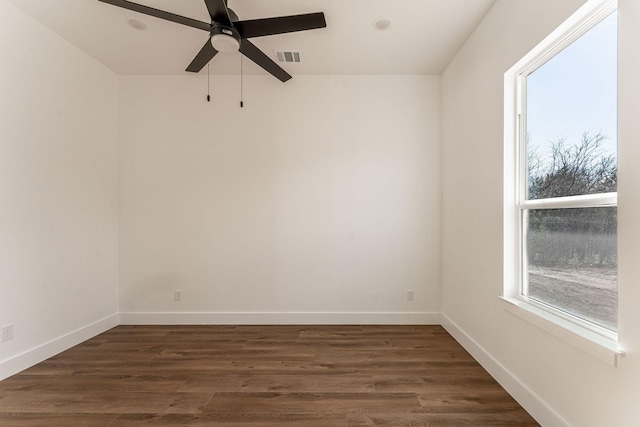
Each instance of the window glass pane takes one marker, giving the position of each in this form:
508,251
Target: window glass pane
571,118
573,261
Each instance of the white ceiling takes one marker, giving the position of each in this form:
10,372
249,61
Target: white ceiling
423,38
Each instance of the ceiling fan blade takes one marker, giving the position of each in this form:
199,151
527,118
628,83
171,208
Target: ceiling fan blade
203,57
249,50
280,25
218,11
160,14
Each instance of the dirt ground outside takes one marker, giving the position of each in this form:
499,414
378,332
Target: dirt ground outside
587,292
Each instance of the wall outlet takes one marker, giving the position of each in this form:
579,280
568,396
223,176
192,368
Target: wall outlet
177,295
7,333
410,295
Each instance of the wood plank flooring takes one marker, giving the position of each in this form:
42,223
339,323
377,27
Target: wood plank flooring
309,376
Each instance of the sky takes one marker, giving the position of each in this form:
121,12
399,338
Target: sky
576,91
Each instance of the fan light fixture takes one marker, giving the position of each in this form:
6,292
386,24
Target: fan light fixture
224,43
225,40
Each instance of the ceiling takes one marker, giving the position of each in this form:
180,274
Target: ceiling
423,38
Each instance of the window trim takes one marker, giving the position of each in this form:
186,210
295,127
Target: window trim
598,341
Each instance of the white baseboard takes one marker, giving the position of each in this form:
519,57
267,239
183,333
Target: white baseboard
49,349
538,408
248,318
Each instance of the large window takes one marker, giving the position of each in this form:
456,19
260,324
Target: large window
562,216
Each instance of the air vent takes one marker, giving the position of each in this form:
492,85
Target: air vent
288,56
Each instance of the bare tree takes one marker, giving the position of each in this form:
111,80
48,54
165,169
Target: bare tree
584,168
567,236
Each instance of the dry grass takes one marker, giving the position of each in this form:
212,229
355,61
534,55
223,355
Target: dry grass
589,293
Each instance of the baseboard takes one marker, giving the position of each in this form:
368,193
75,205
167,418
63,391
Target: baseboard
538,408
49,349
250,318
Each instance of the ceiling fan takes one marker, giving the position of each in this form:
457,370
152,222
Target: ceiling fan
228,34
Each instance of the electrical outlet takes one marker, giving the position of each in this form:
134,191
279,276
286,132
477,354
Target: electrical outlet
410,295
177,295
7,333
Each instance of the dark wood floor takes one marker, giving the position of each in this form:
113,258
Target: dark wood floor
320,376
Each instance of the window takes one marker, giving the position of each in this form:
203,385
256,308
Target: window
561,174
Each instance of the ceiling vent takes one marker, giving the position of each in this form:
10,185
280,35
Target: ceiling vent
288,56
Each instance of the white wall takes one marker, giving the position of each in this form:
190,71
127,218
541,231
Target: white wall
58,192
558,383
317,202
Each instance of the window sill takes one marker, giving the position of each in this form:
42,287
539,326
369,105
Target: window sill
603,348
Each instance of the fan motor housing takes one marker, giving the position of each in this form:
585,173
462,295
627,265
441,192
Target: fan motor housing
228,31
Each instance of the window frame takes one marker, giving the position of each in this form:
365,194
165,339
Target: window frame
597,340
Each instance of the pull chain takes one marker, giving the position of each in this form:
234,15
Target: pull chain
208,83
241,82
